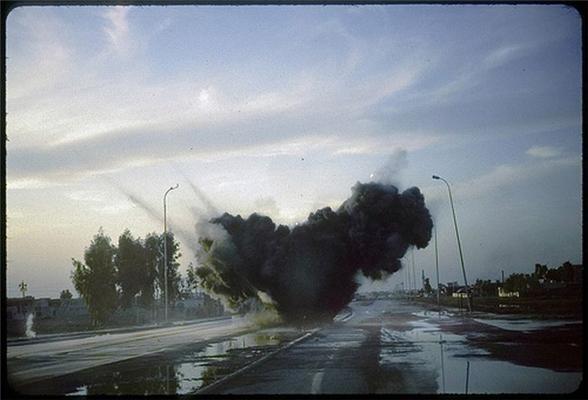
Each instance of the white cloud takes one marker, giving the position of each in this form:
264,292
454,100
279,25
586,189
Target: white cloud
500,177
92,196
40,65
29,183
509,175
502,55
543,151
117,30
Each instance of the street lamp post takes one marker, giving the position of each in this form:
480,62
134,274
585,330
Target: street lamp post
165,246
458,242
437,269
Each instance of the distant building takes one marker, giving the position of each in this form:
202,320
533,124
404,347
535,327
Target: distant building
449,288
19,308
460,293
504,293
43,309
17,311
72,308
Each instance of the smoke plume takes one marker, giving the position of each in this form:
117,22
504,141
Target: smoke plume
308,271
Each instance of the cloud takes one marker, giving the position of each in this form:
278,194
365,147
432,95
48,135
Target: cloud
502,55
117,29
42,63
543,151
92,196
502,177
386,97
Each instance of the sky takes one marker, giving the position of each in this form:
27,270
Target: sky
280,110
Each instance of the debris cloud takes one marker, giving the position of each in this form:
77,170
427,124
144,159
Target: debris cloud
309,271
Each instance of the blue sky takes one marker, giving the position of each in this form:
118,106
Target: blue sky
280,110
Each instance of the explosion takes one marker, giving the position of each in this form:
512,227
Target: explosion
308,271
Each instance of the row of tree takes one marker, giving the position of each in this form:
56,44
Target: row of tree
520,282
523,282
131,273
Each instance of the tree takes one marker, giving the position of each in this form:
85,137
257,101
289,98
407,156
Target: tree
131,266
567,272
540,271
191,277
515,283
153,256
521,282
65,295
554,274
173,276
96,279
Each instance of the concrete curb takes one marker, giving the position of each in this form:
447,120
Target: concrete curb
210,388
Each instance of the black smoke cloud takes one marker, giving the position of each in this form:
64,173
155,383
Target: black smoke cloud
309,270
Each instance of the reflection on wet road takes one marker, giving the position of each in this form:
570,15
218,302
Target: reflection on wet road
391,347
38,361
385,346
180,372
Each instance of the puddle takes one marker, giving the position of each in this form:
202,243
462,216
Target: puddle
185,372
491,376
525,325
434,314
460,368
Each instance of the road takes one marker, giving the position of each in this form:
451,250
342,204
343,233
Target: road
392,347
41,360
384,346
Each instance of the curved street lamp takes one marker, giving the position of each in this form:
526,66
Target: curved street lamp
458,242
165,245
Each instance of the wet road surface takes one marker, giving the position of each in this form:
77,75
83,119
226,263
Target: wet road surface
40,360
393,347
384,346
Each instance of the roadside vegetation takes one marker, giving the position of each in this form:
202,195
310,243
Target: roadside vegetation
131,273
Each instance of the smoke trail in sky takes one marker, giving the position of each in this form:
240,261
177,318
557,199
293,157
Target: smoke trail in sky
187,237
211,209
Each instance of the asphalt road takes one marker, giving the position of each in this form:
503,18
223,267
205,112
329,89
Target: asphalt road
396,347
383,346
40,360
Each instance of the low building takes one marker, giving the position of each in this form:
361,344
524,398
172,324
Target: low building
72,308
504,293
17,311
43,308
461,293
